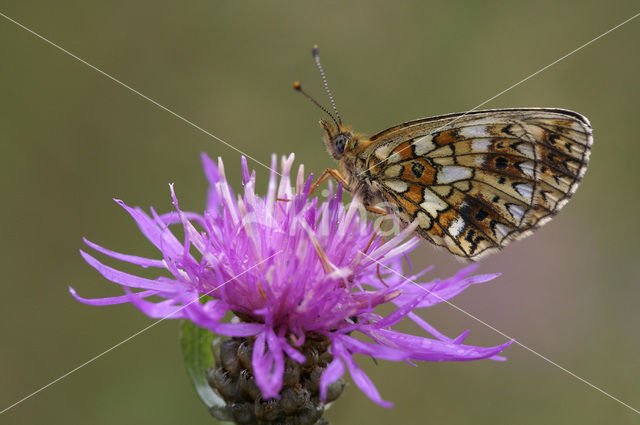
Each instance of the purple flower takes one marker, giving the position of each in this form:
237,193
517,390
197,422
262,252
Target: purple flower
288,267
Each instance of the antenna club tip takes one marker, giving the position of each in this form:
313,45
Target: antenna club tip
315,51
297,85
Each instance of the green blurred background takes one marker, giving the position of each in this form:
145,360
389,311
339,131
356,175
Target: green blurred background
72,139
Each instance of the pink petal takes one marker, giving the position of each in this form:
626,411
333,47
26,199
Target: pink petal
109,300
127,279
133,259
331,374
359,377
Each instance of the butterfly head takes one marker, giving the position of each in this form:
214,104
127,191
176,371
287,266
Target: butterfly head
339,140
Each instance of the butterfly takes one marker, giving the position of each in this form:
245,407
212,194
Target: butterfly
472,181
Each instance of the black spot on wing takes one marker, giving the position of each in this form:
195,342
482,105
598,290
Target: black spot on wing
481,215
417,169
465,211
501,162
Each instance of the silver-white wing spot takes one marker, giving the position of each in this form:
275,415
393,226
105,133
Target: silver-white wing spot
525,190
516,211
432,203
502,229
481,145
457,226
393,171
472,132
452,173
397,185
526,149
382,153
424,220
527,167
423,145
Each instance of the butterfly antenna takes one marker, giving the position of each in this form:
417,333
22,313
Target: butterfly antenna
298,87
316,58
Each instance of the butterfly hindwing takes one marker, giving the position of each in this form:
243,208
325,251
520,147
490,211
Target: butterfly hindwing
476,181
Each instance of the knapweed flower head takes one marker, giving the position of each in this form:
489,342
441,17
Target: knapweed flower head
302,277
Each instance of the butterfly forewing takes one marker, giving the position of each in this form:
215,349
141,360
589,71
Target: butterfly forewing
476,181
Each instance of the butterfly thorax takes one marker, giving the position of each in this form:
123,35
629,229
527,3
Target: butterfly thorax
351,150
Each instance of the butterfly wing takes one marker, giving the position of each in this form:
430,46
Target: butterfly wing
476,181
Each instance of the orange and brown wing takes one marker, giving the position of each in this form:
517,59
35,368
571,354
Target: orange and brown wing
476,181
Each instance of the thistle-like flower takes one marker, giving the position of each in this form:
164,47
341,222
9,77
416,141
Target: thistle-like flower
302,278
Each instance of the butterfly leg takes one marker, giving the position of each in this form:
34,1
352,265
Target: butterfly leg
375,210
325,175
373,237
375,234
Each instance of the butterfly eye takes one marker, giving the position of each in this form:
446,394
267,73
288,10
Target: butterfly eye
339,142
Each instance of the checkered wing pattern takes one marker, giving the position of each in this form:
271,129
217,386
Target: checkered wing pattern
476,181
